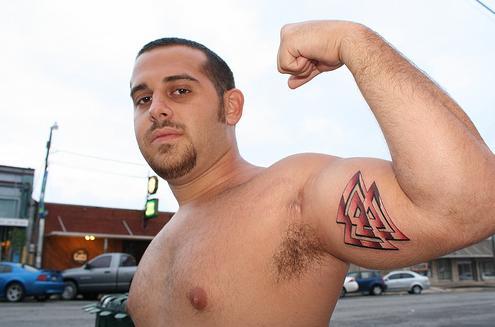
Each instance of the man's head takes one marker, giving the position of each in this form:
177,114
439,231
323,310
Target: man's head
215,67
185,106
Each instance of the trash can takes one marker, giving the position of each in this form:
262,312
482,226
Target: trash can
111,311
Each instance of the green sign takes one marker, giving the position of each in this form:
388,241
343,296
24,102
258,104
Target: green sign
151,208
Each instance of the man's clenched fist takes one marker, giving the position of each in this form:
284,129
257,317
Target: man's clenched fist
309,48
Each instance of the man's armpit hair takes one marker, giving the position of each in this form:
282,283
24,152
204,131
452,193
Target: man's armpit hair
367,223
300,250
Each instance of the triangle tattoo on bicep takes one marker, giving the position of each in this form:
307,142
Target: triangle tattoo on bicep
367,223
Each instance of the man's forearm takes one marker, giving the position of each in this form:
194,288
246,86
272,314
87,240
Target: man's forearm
434,145
377,46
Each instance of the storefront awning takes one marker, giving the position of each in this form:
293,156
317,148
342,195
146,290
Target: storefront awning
482,249
111,223
98,235
14,222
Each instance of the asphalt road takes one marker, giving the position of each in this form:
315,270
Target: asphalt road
454,308
51,313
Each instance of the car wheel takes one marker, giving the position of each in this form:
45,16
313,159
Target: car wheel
343,292
416,289
14,292
376,290
70,291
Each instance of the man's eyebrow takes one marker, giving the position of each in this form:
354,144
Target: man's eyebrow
166,79
179,77
137,88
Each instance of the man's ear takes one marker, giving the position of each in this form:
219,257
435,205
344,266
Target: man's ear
233,100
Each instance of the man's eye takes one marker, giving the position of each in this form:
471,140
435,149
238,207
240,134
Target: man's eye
181,91
143,100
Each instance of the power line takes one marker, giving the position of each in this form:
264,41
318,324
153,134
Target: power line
485,6
99,158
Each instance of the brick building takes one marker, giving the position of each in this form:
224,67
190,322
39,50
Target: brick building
74,234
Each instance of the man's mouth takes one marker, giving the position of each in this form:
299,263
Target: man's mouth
164,135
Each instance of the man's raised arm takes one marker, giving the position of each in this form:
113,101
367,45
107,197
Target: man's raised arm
440,187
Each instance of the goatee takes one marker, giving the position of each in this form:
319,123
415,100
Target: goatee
172,170
161,161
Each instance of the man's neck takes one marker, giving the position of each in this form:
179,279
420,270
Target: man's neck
228,171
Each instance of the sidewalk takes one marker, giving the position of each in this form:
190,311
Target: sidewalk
462,287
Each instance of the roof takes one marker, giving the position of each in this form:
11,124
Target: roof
16,170
482,249
75,220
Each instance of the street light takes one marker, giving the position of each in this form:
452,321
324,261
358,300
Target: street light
41,205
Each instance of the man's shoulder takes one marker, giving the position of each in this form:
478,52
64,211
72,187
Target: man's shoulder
304,161
298,168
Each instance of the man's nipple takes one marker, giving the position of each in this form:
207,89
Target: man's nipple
197,297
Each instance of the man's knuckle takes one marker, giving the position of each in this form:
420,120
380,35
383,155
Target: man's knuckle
286,29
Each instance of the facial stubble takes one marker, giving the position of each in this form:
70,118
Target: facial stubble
160,161
165,166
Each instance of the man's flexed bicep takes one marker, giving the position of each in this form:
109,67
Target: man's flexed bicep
365,218
437,195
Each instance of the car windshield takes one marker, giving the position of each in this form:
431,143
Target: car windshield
29,268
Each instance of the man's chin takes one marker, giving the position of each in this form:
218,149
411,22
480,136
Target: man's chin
170,170
172,173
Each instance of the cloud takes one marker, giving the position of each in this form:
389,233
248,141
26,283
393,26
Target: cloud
70,62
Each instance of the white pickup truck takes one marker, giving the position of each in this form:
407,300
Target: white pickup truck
107,273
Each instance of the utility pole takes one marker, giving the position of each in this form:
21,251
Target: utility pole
41,205
493,251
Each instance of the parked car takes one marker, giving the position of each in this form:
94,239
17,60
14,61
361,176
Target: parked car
370,282
350,285
107,273
19,280
406,280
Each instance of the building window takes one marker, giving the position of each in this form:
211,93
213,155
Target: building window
488,270
9,208
465,269
444,269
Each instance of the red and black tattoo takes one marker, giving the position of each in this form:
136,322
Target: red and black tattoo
367,223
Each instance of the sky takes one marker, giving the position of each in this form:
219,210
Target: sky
70,62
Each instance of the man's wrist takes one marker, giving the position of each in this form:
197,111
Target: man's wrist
354,39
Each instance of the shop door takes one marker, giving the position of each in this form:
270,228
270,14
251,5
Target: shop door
135,248
465,269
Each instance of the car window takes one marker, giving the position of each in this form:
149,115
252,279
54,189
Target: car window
127,261
406,275
101,262
394,276
5,269
366,274
29,268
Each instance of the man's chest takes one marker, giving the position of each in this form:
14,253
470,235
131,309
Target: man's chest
239,253
226,253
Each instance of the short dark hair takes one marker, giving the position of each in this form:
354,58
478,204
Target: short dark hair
215,67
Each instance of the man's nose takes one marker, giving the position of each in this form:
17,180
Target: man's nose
159,108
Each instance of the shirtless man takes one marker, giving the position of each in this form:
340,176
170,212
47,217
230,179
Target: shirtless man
252,246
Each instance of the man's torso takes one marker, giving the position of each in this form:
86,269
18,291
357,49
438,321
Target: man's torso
252,251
